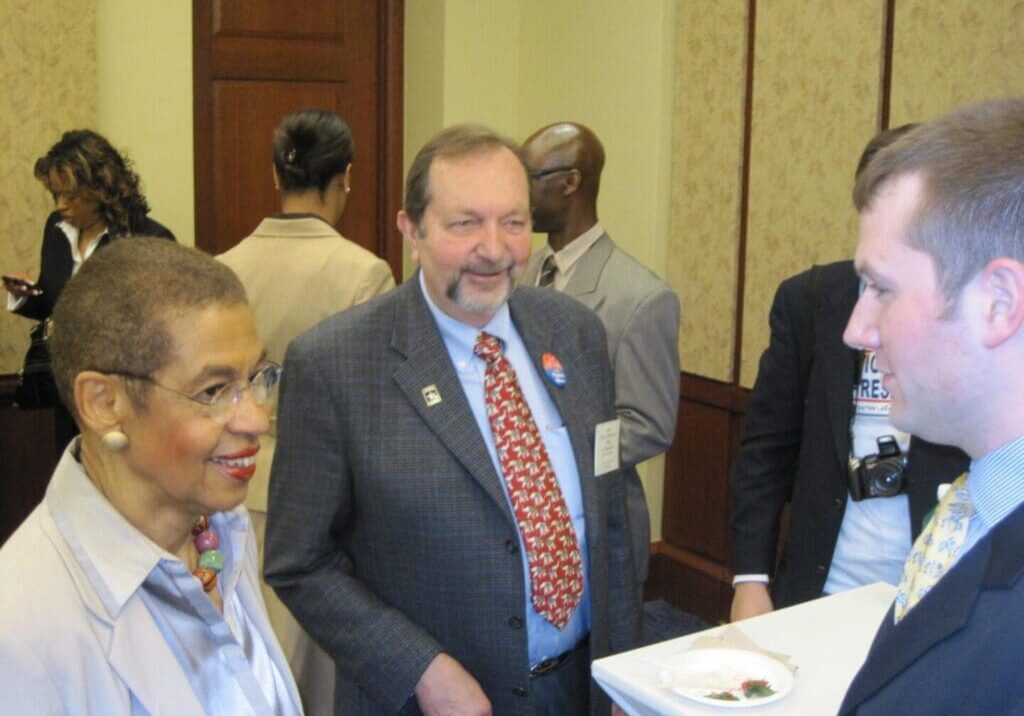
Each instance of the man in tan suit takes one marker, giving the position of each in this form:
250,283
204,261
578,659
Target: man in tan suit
297,270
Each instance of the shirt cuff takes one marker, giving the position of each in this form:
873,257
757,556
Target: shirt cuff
741,578
14,302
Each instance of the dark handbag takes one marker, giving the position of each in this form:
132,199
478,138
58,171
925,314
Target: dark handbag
36,387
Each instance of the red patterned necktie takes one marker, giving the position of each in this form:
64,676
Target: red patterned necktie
556,574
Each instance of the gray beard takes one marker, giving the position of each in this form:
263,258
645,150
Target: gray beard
480,306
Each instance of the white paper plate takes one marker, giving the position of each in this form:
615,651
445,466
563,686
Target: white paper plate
697,673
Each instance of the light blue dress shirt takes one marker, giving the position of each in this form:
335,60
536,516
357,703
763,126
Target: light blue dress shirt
223,655
545,640
875,536
994,484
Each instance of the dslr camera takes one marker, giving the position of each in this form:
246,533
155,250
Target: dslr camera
878,475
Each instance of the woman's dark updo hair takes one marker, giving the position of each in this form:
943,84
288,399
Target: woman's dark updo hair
311,147
86,163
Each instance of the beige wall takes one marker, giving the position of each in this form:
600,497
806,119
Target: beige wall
121,67
511,64
816,101
814,109
144,101
955,52
48,88
707,153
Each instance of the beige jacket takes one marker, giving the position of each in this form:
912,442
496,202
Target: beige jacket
298,271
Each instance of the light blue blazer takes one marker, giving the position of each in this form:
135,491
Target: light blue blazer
75,639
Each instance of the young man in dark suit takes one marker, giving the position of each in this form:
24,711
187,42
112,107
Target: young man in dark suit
941,253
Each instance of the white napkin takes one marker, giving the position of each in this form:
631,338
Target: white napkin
733,638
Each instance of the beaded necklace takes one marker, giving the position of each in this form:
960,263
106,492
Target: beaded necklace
211,561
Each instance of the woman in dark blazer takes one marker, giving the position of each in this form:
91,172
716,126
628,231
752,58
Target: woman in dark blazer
97,199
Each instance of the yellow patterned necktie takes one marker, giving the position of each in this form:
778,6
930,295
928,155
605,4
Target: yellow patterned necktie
936,548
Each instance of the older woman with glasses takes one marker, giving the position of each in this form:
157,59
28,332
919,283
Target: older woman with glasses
133,588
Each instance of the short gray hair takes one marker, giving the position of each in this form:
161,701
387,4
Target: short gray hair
112,315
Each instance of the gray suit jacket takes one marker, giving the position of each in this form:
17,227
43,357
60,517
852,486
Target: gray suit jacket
640,314
389,535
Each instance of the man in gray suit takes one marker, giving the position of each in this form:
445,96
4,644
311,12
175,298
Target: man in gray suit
639,311
393,534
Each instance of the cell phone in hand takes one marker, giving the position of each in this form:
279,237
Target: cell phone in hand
28,286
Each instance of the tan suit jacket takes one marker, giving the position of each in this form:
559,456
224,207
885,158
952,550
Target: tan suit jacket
298,271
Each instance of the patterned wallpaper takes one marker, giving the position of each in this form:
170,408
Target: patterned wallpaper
817,94
957,51
48,72
706,158
815,106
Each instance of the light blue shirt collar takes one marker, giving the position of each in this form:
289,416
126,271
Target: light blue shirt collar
91,525
996,484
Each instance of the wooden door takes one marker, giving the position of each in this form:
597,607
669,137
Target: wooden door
256,61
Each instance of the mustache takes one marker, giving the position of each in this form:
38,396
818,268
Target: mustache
488,267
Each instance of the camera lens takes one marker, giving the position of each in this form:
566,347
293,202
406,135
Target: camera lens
886,478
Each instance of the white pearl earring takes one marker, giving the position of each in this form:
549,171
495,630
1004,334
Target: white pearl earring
115,441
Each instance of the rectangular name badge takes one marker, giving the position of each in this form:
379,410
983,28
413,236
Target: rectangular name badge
606,447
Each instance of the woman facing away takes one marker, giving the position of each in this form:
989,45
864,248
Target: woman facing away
132,588
298,270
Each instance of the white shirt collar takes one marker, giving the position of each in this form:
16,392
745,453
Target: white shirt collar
71,234
571,253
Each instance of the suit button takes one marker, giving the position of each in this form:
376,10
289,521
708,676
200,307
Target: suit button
511,546
822,568
519,691
515,623
837,503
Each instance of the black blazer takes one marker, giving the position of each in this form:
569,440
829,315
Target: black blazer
56,264
797,441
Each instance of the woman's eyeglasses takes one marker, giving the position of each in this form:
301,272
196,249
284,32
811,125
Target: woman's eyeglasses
221,401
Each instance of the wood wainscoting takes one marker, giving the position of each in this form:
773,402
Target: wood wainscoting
690,565
27,458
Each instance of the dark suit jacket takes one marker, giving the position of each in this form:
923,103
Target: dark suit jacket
389,536
56,263
958,651
797,441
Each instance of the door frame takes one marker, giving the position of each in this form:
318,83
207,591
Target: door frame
391,35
